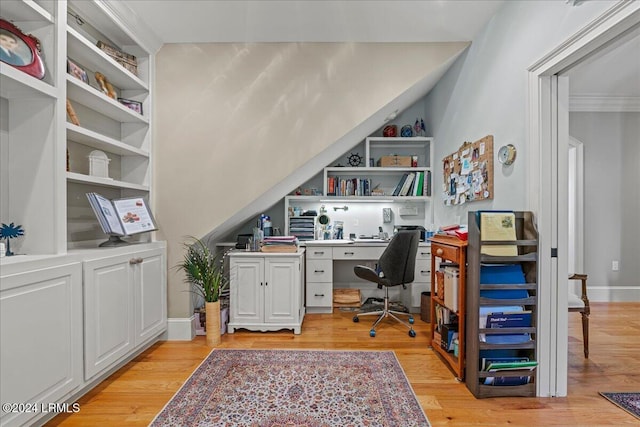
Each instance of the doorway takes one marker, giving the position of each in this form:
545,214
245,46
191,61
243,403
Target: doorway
549,179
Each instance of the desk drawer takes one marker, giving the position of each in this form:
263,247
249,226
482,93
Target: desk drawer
422,273
424,252
319,270
319,294
360,253
314,252
444,252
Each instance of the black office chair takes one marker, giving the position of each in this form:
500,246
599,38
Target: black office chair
396,265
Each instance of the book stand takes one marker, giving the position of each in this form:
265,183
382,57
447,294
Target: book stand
113,241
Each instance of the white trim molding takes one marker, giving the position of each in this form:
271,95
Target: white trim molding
544,131
609,104
613,293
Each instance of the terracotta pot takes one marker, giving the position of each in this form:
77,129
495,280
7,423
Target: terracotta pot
213,323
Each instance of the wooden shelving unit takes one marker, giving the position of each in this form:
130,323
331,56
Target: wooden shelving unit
452,250
527,245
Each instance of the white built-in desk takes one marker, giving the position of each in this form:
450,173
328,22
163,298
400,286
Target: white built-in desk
329,265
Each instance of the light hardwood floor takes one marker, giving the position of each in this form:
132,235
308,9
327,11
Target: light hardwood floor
138,391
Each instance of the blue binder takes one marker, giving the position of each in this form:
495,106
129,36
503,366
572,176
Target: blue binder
502,274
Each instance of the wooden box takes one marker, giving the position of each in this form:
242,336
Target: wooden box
346,297
395,161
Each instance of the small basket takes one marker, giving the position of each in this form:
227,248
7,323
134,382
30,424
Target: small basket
440,284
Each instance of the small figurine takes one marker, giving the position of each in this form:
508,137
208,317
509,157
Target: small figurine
105,86
9,232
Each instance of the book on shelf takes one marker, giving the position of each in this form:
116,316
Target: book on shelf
487,361
508,319
122,217
499,367
406,187
497,320
396,191
498,226
485,311
511,274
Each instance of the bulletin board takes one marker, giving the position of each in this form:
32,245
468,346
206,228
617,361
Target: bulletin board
468,173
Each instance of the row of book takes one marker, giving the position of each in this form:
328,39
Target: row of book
337,186
413,184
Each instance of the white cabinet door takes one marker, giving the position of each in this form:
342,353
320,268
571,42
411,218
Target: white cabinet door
41,332
246,286
149,271
281,290
109,312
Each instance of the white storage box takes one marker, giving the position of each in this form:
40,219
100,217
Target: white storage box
451,277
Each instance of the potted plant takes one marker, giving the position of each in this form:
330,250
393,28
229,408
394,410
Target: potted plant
203,271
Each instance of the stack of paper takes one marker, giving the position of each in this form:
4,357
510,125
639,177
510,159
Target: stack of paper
498,226
280,244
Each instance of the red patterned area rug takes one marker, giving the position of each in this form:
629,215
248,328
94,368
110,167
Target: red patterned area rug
289,388
630,402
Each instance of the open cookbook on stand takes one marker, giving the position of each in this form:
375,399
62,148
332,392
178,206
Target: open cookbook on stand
121,217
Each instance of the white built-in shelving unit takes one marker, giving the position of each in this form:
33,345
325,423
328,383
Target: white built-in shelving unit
384,179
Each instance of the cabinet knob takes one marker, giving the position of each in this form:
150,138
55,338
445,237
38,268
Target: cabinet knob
134,261
439,251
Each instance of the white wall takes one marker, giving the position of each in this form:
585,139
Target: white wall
234,120
612,201
485,92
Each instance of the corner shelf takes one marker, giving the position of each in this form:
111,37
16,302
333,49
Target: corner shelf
101,142
103,182
527,257
90,97
83,51
17,84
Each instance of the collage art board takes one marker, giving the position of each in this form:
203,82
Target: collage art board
468,173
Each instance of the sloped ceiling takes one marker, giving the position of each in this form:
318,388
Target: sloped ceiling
202,21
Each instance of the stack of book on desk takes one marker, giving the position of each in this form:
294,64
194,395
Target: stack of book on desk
280,244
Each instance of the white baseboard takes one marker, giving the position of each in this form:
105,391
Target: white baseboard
613,293
180,329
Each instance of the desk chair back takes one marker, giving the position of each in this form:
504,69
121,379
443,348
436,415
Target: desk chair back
398,261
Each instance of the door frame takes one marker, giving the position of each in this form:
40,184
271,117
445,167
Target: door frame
576,225
548,137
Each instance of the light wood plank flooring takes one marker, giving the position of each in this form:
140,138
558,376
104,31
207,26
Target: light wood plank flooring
138,391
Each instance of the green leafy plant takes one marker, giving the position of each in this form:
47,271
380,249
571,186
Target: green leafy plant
203,270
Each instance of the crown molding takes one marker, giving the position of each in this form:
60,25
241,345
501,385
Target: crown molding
126,16
598,103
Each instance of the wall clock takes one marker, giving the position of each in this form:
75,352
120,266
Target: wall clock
507,154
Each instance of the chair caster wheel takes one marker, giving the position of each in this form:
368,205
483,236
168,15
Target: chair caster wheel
411,320
356,319
412,333
372,333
